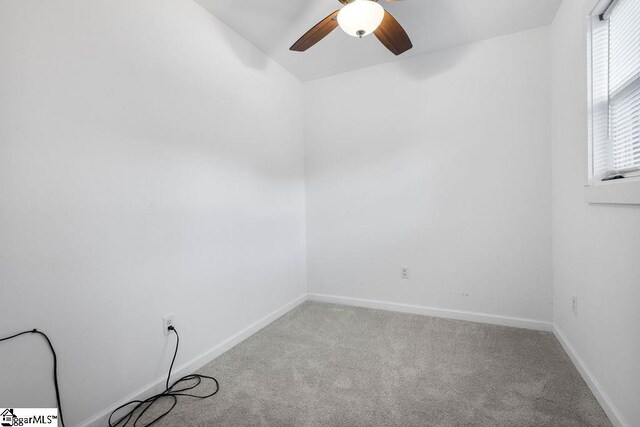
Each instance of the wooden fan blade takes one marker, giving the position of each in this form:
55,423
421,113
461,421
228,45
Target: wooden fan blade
317,33
392,35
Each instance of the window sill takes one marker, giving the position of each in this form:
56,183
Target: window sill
617,192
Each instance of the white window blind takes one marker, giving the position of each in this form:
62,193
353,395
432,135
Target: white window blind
624,84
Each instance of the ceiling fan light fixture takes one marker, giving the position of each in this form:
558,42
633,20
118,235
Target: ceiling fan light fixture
360,17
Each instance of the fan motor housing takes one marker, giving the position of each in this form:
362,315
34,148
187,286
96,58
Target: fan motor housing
350,1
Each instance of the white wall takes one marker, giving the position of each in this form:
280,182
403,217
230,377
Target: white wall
151,162
596,248
440,163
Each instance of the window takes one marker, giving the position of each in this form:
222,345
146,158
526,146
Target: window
614,52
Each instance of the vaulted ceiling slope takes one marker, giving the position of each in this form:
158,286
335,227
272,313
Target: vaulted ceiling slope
273,26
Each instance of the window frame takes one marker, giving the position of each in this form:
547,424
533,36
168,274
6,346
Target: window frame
619,191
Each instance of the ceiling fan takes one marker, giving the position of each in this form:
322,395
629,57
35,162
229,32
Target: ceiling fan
359,18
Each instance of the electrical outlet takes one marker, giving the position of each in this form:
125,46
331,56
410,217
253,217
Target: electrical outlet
574,305
166,322
404,272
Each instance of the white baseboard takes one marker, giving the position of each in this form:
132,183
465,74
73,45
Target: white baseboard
194,364
596,388
515,322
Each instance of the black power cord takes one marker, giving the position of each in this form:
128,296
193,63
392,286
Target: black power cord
170,393
55,366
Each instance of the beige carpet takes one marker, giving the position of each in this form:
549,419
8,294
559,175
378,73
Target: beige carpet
330,365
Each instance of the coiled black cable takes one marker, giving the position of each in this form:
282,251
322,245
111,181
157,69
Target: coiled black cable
55,367
170,392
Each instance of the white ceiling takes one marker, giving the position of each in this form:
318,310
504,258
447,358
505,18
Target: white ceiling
274,25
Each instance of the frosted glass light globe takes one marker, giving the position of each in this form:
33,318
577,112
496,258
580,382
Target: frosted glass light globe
360,17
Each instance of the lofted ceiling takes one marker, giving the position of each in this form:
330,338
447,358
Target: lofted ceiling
274,25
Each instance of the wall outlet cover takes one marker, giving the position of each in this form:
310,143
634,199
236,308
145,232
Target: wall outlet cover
166,322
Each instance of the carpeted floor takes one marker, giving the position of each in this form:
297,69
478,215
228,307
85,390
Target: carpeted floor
331,365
